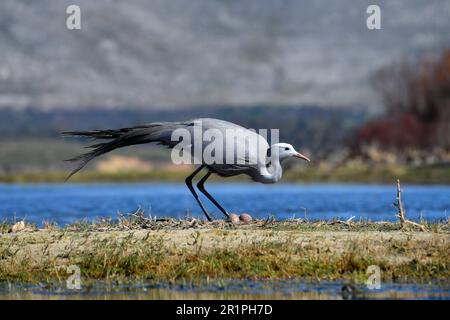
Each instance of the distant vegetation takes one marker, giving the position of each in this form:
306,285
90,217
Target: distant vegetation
416,96
351,171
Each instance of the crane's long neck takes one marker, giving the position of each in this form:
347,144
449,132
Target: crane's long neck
272,172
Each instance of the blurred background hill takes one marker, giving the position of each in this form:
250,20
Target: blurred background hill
343,93
175,54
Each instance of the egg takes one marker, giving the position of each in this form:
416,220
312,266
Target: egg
233,218
245,218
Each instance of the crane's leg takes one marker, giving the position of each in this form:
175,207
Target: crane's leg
191,188
201,187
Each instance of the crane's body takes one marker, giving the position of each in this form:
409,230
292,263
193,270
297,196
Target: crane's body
247,150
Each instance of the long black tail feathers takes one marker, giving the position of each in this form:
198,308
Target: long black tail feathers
99,149
158,132
119,138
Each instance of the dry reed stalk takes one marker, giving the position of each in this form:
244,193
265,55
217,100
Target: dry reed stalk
401,213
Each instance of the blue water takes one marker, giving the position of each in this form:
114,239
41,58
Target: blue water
226,289
66,203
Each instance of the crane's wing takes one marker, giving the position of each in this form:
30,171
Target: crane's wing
241,146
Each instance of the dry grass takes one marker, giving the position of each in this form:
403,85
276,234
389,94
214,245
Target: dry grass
139,248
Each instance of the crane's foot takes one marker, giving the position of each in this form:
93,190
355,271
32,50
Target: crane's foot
207,216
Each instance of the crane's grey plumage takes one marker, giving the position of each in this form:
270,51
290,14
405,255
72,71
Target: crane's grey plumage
251,159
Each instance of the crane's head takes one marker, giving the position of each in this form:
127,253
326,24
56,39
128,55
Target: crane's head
286,151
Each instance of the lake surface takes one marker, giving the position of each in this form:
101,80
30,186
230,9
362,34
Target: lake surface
66,203
229,290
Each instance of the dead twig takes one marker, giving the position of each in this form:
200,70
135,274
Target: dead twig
269,220
401,213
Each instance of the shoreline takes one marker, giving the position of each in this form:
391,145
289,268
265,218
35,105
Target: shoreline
362,174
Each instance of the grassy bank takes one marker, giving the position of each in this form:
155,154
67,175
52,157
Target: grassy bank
366,173
194,251
357,173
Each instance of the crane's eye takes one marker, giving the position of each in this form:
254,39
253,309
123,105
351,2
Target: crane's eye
286,148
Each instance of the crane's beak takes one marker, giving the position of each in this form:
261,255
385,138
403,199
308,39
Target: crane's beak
300,156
